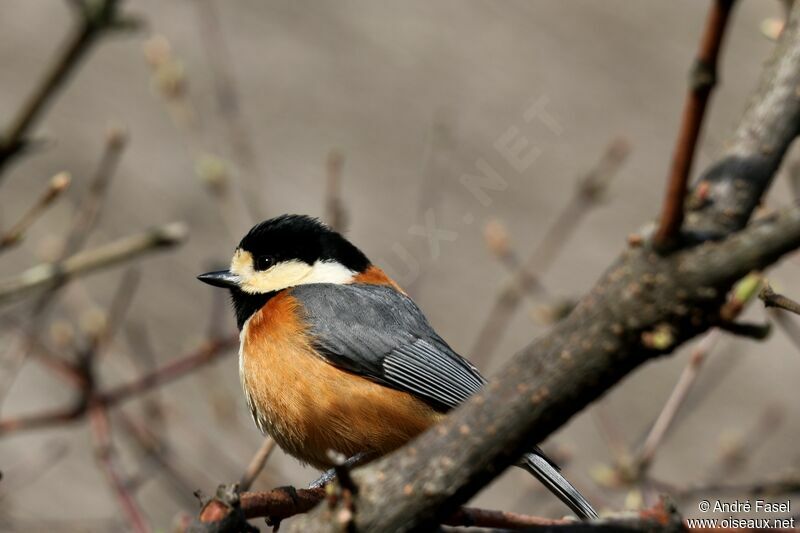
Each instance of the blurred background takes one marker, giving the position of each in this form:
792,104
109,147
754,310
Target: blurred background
371,114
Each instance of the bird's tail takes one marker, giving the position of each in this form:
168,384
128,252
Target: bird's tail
551,478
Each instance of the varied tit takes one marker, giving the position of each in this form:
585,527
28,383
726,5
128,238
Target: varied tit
335,356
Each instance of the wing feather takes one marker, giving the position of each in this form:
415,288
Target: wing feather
379,333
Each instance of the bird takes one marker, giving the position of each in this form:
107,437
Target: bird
334,356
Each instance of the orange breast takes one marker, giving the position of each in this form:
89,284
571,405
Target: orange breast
309,406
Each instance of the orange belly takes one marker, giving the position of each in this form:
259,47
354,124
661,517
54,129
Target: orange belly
309,406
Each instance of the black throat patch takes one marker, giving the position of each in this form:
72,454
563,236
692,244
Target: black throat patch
245,304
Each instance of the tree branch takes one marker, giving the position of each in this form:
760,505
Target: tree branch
13,236
89,261
96,20
773,299
703,80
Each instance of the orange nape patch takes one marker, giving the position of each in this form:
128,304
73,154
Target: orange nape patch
309,406
375,276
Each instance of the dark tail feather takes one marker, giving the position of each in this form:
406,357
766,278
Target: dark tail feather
551,478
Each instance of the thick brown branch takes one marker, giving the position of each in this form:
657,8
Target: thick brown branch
703,79
282,503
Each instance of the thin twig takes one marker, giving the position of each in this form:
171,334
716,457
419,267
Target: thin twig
335,213
95,21
88,261
743,293
104,453
702,82
676,398
588,194
773,299
88,211
777,486
57,185
158,454
209,352
257,463
229,107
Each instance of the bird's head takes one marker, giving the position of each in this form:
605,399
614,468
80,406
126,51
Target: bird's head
284,252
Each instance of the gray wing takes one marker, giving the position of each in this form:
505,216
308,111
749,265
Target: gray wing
379,333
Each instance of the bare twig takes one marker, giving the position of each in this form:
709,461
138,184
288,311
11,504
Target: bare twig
89,208
744,292
104,453
676,398
703,80
257,463
588,194
209,352
279,504
157,453
229,106
219,515
773,299
57,185
96,20
88,261
335,213
779,485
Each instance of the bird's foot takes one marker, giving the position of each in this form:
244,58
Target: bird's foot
354,461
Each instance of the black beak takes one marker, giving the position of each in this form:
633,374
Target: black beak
220,278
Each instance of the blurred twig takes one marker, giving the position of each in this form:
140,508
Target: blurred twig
229,105
158,454
209,352
86,262
104,453
57,185
744,292
676,398
88,210
96,20
335,213
257,463
773,299
702,80
588,194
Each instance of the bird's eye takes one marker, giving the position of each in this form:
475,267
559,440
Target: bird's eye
263,262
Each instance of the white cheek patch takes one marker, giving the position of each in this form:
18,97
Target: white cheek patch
293,273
